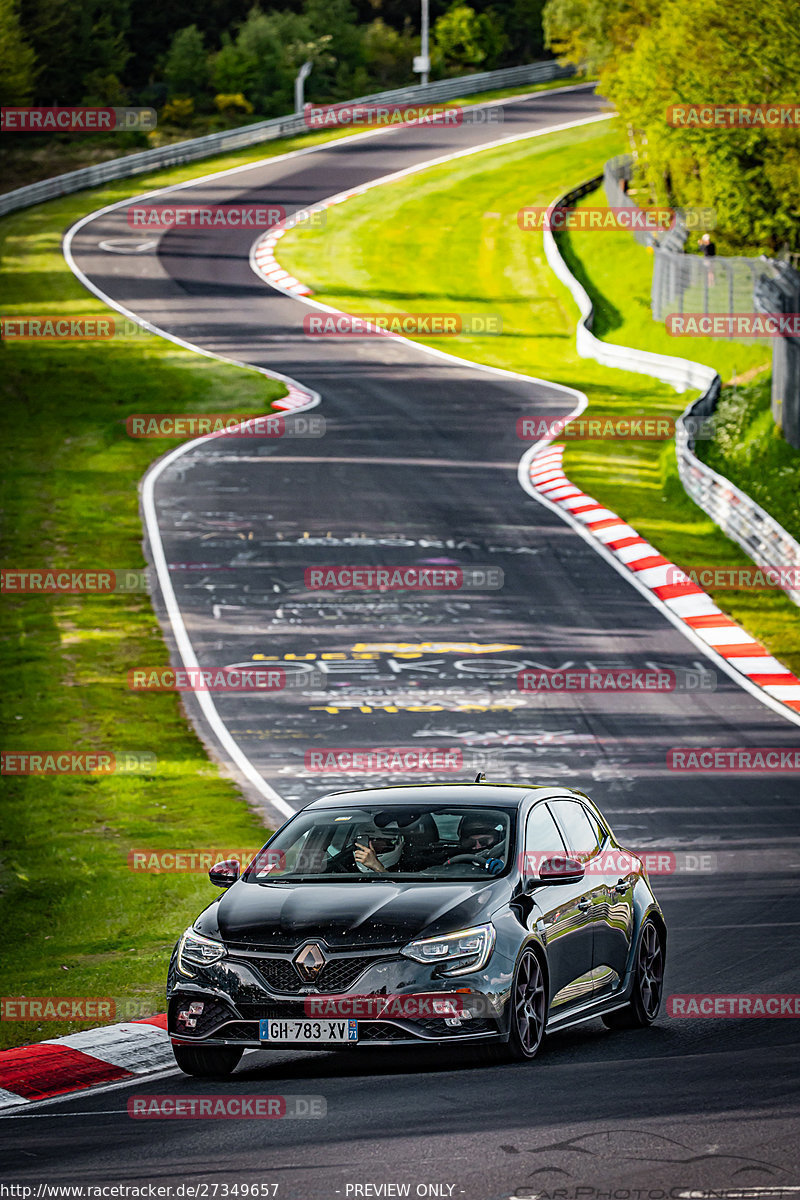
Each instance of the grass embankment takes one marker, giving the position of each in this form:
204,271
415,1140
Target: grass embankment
449,239
749,449
29,158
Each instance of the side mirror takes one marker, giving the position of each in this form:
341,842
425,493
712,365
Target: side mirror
561,869
224,873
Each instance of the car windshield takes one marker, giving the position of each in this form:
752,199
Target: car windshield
447,842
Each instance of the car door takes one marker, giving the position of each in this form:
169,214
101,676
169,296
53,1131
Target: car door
614,922
609,893
562,915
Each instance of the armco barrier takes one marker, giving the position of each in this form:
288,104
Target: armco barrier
264,131
744,521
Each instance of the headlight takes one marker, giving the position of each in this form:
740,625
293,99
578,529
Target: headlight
198,951
468,950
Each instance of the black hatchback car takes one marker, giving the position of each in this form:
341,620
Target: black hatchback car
478,913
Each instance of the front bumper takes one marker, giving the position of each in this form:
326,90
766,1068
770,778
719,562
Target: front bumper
249,986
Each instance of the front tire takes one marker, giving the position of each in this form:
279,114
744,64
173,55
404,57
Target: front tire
648,983
208,1062
528,1004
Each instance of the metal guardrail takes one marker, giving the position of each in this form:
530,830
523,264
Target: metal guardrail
761,537
736,513
263,131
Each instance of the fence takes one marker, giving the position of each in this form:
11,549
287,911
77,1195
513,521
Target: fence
688,282
263,131
691,283
744,521
782,295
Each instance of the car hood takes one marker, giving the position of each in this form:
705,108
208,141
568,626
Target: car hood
346,914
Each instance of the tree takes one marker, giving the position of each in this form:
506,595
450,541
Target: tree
335,71
703,53
388,54
460,40
186,67
17,59
74,40
263,60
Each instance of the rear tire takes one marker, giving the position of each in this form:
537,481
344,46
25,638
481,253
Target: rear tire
207,1062
648,983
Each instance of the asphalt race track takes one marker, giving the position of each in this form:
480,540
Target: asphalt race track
418,466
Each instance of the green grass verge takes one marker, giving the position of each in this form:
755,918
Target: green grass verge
448,239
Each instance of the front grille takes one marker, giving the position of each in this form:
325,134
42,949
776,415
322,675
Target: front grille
240,1031
381,1031
337,975
277,1010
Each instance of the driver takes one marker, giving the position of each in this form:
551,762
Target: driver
373,850
478,835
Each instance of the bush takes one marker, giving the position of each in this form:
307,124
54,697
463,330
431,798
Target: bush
178,111
233,104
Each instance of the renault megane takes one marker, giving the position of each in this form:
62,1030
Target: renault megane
445,913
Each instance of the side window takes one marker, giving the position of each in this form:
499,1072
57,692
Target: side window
595,824
581,833
542,839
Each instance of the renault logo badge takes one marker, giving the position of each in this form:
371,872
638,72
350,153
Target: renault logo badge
309,961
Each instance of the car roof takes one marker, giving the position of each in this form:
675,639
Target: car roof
507,795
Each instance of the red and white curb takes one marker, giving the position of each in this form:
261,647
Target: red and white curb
83,1060
686,601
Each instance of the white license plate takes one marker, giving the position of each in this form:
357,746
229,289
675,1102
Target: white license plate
296,1029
